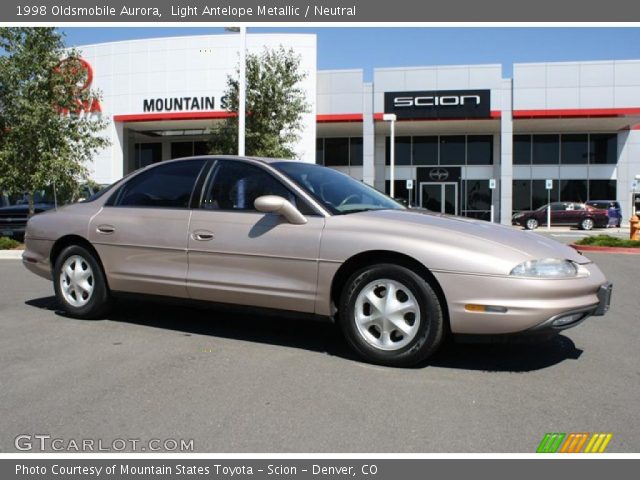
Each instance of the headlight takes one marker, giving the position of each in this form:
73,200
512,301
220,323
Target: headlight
546,268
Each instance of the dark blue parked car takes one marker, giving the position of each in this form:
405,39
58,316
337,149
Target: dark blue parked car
614,212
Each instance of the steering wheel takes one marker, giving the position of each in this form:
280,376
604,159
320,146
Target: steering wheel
346,201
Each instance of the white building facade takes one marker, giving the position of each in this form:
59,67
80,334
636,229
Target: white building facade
460,130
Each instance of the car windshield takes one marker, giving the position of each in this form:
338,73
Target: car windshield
339,193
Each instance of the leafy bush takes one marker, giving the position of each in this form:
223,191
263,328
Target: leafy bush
608,241
8,243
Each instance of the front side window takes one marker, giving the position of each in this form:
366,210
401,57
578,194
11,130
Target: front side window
165,186
339,193
236,186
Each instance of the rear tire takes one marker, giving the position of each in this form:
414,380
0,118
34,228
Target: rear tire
391,316
79,284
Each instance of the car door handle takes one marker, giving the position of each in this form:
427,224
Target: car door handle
105,229
202,236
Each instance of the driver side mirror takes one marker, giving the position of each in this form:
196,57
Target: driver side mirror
281,206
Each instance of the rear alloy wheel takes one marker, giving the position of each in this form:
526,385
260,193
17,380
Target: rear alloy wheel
531,224
391,316
79,283
586,224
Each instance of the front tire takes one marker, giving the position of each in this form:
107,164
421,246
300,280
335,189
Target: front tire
587,224
391,316
79,283
531,224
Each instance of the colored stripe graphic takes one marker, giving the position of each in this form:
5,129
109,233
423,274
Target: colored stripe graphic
598,443
550,443
573,442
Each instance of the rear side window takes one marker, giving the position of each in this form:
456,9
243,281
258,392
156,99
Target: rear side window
165,186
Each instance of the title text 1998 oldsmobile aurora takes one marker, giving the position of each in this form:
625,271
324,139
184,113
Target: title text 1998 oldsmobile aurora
300,237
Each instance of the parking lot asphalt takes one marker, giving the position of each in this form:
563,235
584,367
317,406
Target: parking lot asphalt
253,383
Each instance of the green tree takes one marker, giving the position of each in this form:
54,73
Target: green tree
49,116
275,103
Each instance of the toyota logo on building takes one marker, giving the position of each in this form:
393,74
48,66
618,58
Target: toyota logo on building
439,174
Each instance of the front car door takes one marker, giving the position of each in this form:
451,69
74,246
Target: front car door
141,232
239,255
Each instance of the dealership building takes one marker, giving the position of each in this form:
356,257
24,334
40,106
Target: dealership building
466,138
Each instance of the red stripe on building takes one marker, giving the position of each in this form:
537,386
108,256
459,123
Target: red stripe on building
495,114
150,117
340,117
576,113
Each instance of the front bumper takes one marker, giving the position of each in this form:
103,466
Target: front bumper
526,304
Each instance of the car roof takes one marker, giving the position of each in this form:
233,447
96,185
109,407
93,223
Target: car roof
234,157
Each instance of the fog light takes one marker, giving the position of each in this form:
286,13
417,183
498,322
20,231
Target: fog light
567,320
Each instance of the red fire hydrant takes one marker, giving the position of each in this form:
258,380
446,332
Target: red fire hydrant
634,223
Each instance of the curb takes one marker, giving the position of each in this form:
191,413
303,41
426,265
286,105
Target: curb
11,254
593,248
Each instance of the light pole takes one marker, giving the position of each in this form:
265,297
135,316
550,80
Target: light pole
391,117
242,87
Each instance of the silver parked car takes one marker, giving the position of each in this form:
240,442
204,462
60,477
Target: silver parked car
296,236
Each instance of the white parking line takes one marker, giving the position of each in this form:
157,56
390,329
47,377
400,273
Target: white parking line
11,254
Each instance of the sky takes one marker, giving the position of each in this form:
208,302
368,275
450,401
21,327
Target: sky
369,48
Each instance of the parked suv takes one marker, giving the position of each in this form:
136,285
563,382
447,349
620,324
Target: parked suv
14,208
581,215
613,209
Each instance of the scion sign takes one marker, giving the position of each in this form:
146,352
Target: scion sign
439,104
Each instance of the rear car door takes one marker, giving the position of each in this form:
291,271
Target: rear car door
239,255
141,232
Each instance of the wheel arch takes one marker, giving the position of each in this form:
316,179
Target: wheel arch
68,240
374,257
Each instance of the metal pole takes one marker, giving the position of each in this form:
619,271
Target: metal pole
392,189
242,91
492,214
548,209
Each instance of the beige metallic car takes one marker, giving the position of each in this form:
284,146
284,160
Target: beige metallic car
300,237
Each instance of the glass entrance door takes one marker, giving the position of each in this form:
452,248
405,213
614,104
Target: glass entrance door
439,197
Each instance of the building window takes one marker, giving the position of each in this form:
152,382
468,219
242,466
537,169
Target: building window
355,151
320,151
425,150
603,148
181,149
602,190
540,195
479,150
336,152
521,195
574,149
403,151
201,148
546,149
477,197
573,191
339,151
522,149
146,154
452,150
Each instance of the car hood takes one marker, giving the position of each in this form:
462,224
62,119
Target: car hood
478,234
24,209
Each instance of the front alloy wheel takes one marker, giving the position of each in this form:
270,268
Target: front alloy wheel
387,314
391,315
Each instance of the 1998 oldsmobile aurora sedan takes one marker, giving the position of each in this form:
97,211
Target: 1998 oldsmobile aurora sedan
296,236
